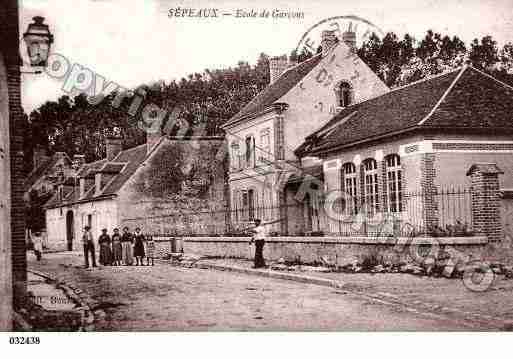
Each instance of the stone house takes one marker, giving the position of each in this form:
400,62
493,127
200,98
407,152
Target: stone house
143,186
43,181
418,139
49,171
300,99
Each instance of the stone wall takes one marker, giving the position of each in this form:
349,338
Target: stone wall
179,190
340,250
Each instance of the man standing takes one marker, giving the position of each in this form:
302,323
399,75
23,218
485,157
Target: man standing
87,240
259,234
259,239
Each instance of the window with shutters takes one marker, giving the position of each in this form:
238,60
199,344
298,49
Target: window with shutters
371,186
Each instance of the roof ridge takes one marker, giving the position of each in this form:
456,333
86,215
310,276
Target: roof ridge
296,65
322,131
443,96
427,78
357,104
125,151
492,77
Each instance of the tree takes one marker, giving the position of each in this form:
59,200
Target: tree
484,55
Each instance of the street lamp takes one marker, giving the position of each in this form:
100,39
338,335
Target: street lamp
38,40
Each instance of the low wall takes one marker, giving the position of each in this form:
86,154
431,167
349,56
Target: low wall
339,250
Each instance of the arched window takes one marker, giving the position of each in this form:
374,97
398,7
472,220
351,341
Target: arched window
344,94
394,183
371,186
349,178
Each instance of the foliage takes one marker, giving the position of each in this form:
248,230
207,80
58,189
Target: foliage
209,98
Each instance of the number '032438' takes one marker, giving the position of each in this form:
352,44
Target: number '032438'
24,340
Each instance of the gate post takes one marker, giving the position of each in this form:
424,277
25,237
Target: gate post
486,200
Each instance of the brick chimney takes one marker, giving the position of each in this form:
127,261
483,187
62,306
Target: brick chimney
114,146
328,41
277,66
39,156
349,38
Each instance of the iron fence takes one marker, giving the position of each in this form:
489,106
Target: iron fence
447,212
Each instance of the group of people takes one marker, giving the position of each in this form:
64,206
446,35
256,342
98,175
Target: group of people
119,249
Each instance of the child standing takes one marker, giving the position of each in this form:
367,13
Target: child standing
150,250
37,240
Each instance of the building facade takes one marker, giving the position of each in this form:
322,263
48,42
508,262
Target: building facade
300,99
405,154
160,187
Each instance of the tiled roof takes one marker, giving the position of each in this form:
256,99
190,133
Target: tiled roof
462,99
89,169
307,173
134,157
119,170
37,172
43,169
277,89
112,167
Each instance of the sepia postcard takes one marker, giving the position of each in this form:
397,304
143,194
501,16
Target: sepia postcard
228,166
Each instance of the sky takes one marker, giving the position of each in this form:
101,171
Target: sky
132,42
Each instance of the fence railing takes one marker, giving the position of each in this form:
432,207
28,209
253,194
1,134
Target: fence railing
447,212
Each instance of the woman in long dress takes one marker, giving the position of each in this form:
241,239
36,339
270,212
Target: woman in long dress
117,249
126,243
105,252
139,246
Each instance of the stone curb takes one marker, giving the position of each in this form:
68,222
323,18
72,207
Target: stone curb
85,303
418,307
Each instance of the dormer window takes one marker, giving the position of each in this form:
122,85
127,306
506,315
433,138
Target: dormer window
344,94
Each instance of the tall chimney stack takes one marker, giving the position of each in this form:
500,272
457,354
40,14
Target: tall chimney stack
277,66
328,41
349,38
114,146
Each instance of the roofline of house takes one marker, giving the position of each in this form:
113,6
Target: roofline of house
392,90
195,138
279,107
85,200
416,128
